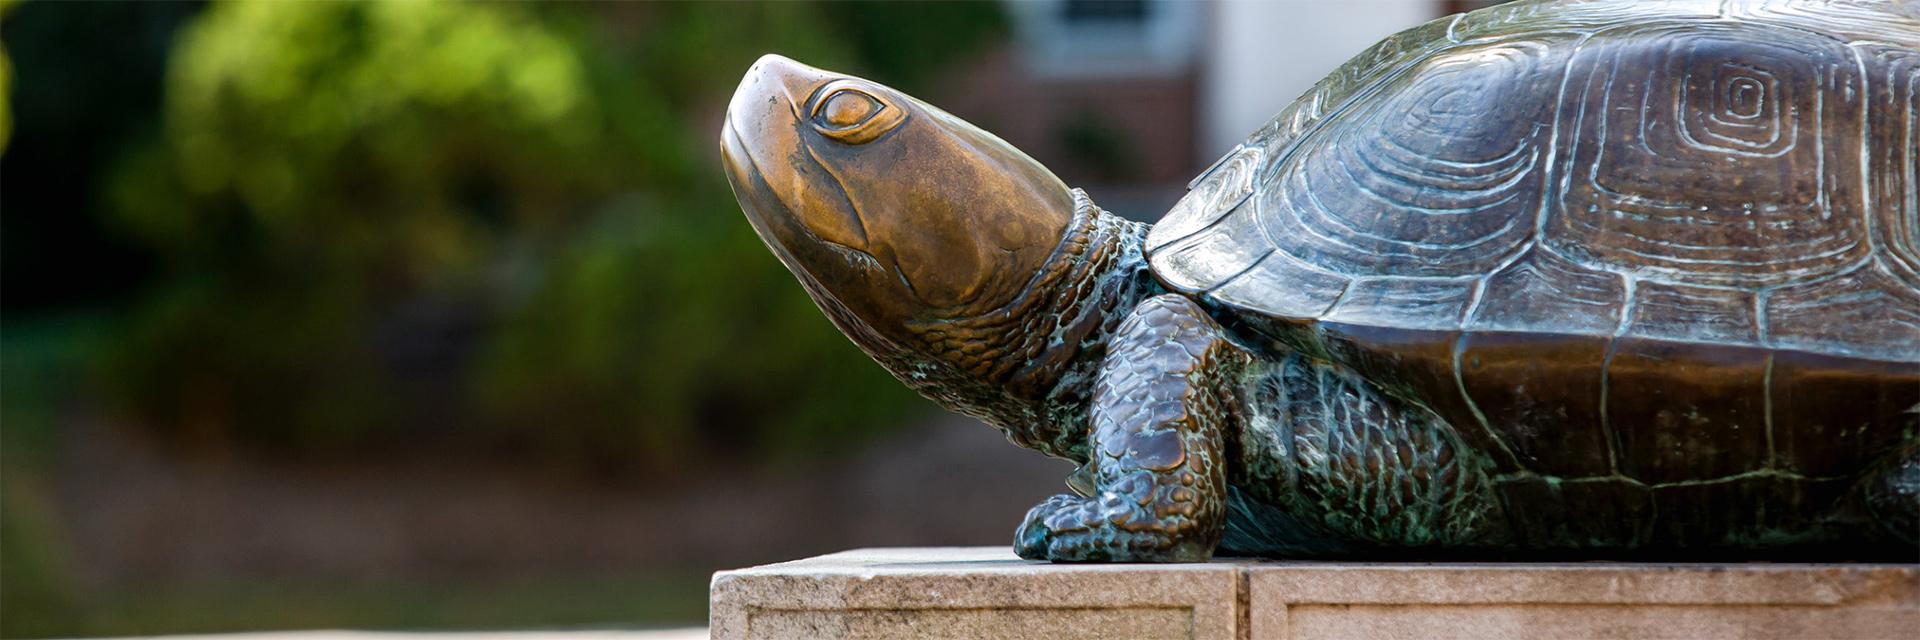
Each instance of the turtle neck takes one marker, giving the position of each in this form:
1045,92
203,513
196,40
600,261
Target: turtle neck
1027,366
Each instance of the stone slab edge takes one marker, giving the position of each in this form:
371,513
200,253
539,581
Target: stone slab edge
1240,599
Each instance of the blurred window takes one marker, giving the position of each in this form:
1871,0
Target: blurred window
1108,38
1104,10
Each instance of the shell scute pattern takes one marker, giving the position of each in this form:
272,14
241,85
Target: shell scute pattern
1682,312
1545,293
1679,414
1584,170
1433,177
1541,400
1285,284
1431,304
1596,205
1731,159
1218,252
1867,306
1225,186
1893,182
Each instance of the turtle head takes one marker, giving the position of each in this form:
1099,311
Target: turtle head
888,210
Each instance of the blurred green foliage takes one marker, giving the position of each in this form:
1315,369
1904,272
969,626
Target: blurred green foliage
499,223
332,228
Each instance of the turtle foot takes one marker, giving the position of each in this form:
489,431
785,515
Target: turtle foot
1105,528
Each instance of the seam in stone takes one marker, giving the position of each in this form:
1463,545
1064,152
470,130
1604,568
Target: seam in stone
1243,603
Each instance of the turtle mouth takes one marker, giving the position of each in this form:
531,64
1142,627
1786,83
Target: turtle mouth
776,225
775,222
751,189
766,144
765,208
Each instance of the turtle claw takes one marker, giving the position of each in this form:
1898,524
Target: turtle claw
1058,530
1109,528
1033,539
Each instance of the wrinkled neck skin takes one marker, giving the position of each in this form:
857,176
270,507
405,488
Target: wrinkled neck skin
1027,366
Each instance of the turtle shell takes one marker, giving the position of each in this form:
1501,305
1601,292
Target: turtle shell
1658,244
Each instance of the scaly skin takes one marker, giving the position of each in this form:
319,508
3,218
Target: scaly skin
1027,367
1179,411
1160,417
1363,466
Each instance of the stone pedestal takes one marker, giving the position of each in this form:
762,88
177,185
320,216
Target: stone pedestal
987,593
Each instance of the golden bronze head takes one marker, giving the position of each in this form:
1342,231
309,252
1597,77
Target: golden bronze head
889,208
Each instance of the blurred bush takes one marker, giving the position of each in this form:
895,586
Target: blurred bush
405,229
490,226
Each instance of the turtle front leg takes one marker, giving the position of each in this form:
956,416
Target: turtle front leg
1155,486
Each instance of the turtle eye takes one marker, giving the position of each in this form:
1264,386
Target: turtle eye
854,116
848,108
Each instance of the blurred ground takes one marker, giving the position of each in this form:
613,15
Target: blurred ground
384,520
410,542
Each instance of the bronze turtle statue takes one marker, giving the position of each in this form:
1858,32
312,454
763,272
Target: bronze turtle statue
1584,280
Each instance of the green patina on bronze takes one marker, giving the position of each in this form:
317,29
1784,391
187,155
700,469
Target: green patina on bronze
1605,279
